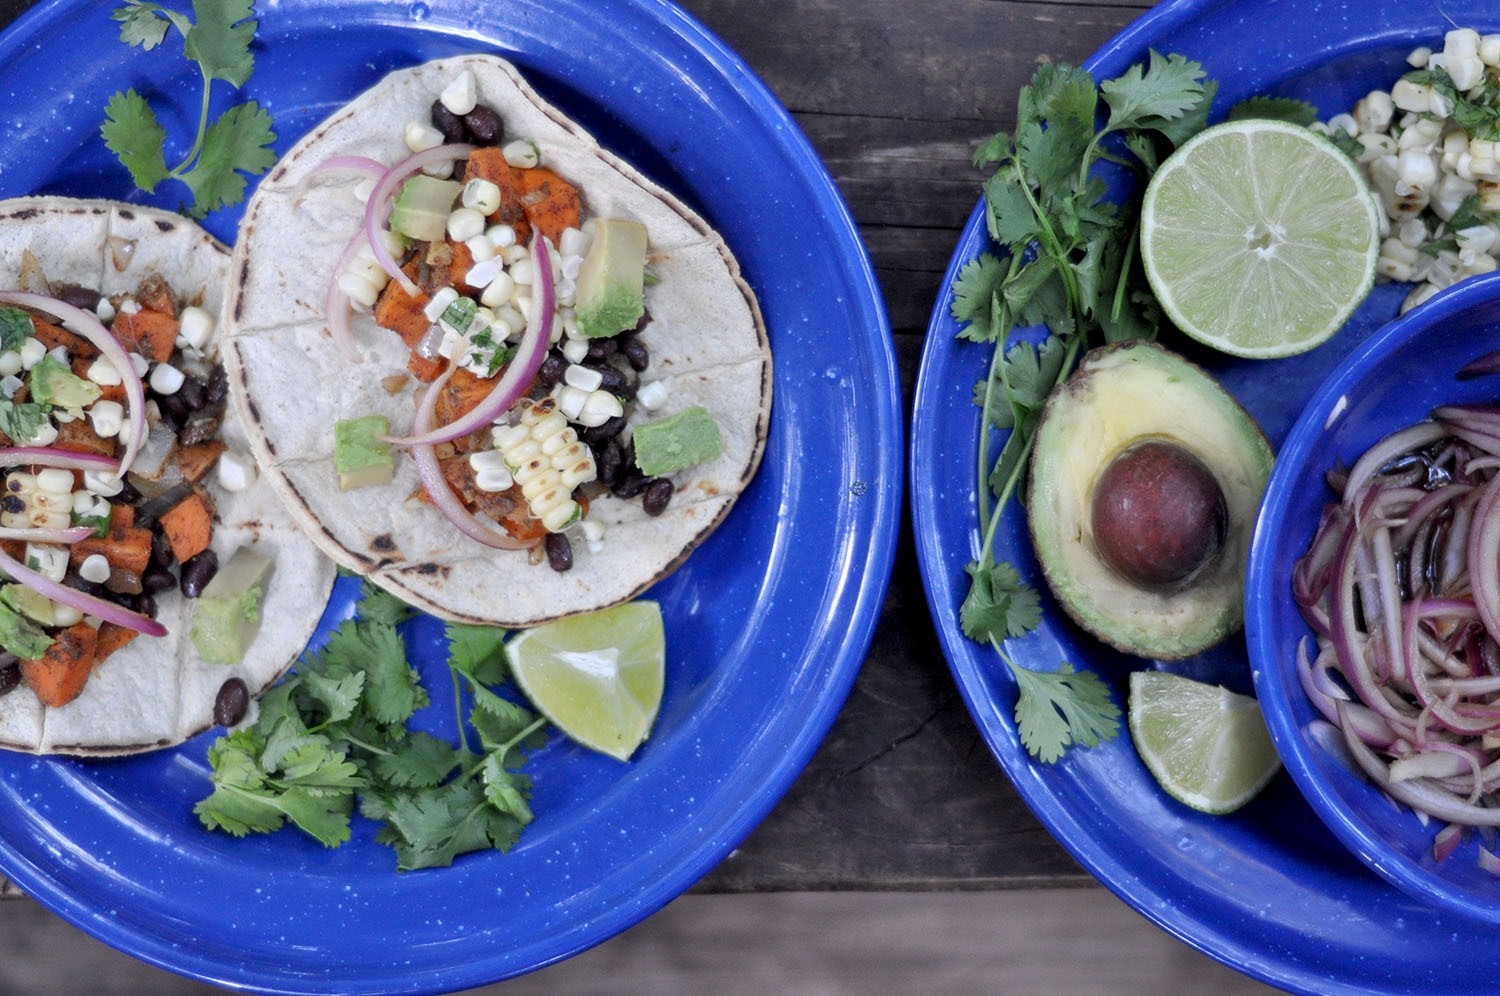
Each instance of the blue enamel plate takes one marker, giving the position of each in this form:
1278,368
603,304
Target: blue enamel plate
1269,891
767,623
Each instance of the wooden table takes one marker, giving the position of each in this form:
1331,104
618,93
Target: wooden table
895,95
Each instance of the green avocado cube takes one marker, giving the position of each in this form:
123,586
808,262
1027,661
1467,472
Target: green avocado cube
677,442
360,456
227,615
421,208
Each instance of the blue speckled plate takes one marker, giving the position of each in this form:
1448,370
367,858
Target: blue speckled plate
1269,890
767,624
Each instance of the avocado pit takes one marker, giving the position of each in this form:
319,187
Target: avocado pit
1158,514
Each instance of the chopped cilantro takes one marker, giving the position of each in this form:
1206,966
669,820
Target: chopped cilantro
15,328
21,420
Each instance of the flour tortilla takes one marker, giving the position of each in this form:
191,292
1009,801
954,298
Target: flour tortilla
706,335
156,692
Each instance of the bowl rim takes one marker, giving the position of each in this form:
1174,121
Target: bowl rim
1272,673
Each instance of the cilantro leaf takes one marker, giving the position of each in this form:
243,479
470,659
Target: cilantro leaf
1057,708
974,289
335,737
999,604
131,132
145,25
378,605
238,142
1166,88
1288,109
220,41
478,651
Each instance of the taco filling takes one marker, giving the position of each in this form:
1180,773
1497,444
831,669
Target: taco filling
122,491
547,365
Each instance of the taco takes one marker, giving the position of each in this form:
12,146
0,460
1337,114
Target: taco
112,584
383,293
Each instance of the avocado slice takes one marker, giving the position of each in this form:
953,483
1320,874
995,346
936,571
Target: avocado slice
1165,577
360,456
420,210
53,383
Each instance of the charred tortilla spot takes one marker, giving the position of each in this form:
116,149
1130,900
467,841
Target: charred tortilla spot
384,543
25,215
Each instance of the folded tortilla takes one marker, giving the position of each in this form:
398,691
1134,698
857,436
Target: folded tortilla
156,692
706,335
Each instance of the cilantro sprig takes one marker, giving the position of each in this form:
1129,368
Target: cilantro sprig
1064,278
335,738
225,149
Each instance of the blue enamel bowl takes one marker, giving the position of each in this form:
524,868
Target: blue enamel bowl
1392,381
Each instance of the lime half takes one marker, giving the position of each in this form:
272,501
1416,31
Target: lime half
1259,238
1207,747
597,677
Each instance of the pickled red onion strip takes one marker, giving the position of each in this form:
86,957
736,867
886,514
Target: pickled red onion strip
377,208
51,456
82,601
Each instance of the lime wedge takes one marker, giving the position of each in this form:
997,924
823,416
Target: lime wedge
1207,747
597,677
1259,238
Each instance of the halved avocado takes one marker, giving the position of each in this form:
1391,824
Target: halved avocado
1146,478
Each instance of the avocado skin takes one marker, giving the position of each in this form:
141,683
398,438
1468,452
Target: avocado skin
1119,395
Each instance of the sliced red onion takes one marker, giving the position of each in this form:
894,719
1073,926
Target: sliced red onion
336,306
522,369
1480,366
377,208
93,330
35,534
372,168
82,601
454,510
51,456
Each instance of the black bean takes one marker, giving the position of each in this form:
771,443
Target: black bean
173,411
636,354
14,504
199,427
612,379
550,374
129,494
484,126
198,571
602,349
218,386
232,702
156,579
607,462
82,298
630,483
194,393
559,552
87,587
10,676
143,603
599,434
161,549
445,121
656,496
